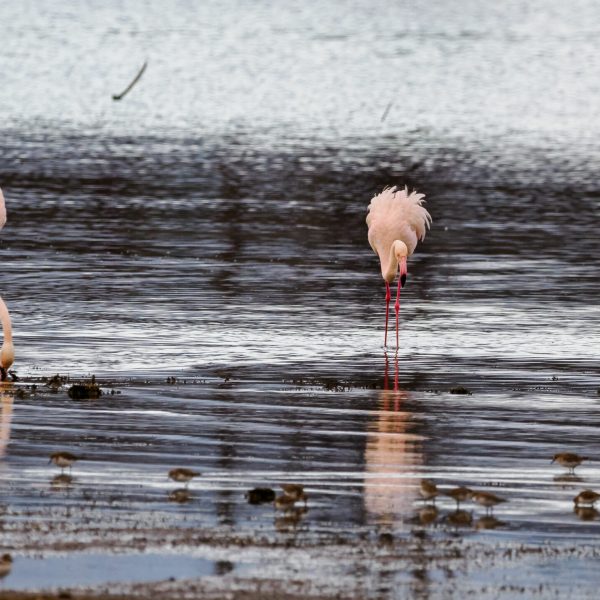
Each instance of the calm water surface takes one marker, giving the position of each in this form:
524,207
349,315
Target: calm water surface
210,227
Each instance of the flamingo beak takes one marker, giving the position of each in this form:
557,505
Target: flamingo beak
403,271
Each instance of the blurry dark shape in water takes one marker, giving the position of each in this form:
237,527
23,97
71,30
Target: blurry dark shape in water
61,482
427,515
586,513
290,520
6,562
55,382
568,477
181,495
85,391
135,80
460,518
461,390
222,567
13,375
386,539
488,522
284,502
260,496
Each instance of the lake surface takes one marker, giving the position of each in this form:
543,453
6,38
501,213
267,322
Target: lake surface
210,228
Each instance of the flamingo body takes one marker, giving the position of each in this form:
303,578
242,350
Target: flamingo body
2,210
396,220
7,351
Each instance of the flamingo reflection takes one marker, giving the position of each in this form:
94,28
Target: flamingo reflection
6,404
392,456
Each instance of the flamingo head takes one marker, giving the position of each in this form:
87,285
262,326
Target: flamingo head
401,254
7,357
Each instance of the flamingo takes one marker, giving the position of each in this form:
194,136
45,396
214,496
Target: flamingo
396,221
7,352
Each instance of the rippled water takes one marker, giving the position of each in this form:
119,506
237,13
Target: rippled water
210,227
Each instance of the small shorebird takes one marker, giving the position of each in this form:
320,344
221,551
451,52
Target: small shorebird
63,459
428,490
487,499
586,497
294,491
183,475
6,562
459,494
570,460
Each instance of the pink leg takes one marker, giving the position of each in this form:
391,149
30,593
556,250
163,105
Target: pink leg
397,307
388,297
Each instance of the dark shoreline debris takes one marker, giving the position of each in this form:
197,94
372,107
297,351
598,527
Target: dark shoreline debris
85,391
461,390
260,496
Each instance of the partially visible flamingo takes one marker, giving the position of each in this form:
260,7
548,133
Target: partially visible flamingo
396,221
2,210
7,352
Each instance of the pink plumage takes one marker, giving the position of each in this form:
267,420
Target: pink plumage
397,220
2,210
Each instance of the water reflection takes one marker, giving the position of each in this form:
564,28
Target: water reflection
6,400
61,482
392,456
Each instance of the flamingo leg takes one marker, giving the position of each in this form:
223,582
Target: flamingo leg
388,297
397,308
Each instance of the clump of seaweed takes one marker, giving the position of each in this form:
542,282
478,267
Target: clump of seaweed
460,390
55,382
85,391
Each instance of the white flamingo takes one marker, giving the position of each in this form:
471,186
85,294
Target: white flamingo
396,221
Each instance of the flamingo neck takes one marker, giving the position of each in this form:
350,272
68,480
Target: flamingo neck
398,248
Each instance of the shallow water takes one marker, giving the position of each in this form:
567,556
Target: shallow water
89,569
223,243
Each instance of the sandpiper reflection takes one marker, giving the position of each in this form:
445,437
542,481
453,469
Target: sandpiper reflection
392,456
